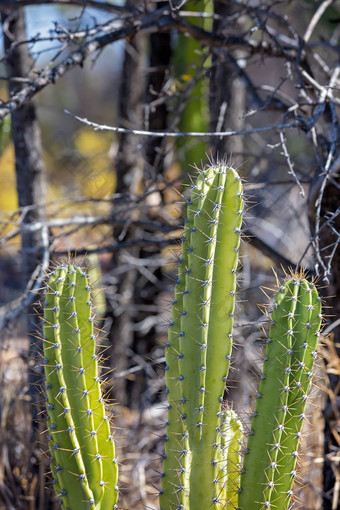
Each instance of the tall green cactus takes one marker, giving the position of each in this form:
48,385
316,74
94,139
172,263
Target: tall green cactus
83,464
200,341
202,461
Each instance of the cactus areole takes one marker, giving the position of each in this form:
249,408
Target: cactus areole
83,462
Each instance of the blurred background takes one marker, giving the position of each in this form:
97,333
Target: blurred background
159,87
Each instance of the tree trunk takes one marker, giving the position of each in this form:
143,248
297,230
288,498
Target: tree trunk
156,105
30,184
29,164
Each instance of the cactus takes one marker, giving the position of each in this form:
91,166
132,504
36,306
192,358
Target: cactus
202,460
192,93
200,342
201,470
270,462
83,461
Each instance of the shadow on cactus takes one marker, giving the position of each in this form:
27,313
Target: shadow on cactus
203,464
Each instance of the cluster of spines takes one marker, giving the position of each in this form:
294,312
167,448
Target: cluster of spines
83,461
200,341
272,452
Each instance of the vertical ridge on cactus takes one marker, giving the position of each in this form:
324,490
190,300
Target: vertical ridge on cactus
82,448
232,438
200,342
272,452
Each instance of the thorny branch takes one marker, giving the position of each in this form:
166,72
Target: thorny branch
11,311
158,21
171,134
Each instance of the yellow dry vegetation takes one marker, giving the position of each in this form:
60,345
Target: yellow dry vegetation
97,178
8,194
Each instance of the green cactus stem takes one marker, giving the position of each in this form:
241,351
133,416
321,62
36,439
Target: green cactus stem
83,461
232,439
200,342
269,466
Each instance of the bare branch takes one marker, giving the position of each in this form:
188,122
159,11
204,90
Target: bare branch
316,18
158,21
219,134
289,163
84,221
11,311
94,4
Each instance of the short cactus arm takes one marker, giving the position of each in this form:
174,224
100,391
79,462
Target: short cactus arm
268,476
62,438
232,438
76,362
271,405
309,318
80,439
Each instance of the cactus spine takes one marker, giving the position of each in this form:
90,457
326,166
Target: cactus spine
200,341
83,462
270,461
